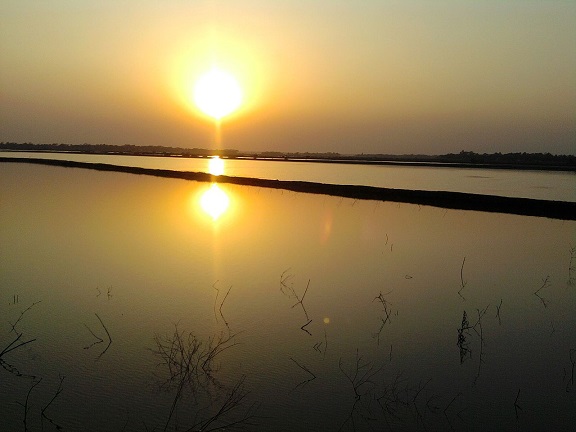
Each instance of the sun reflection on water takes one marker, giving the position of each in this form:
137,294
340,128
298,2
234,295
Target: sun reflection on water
216,166
214,202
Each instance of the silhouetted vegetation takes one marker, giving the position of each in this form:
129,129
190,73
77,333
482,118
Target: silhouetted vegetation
501,160
190,364
463,342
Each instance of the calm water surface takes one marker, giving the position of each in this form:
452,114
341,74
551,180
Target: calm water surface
332,314
547,185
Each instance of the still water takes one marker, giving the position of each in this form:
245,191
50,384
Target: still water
147,309
546,185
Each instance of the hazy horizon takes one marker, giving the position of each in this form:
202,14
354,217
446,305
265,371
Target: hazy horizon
389,77
94,148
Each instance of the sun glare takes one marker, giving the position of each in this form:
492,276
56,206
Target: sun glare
217,93
216,166
214,201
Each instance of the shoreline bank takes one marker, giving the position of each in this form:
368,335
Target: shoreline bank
450,200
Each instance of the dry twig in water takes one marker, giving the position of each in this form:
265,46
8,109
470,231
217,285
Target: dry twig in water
386,316
304,368
570,384
516,406
572,267
305,329
191,363
498,312
286,277
15,344
545,284
221,304
448,406
480,333
44,416
22,316
35,382
361,375
301,300
220,420
462,282
99,339
463,344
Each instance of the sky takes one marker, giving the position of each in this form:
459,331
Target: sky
386,76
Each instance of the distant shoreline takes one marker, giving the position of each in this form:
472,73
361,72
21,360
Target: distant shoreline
464,159
419,164
450,200
344,160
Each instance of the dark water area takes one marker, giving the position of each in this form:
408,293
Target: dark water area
150,303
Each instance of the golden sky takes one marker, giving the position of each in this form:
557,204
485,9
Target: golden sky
420,76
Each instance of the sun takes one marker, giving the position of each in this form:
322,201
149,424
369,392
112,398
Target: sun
217,93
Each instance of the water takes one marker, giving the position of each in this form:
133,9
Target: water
374,343
546,185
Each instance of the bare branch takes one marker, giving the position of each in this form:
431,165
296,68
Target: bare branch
545,284
22,316
361,374
234,399
222,304
304,368
498,312
26,408
516,406
190,363
99,339
462,282
303,328
572,267
58,391
301,300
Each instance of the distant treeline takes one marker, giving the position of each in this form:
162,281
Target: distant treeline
464,157
517,160
468,157
116,149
